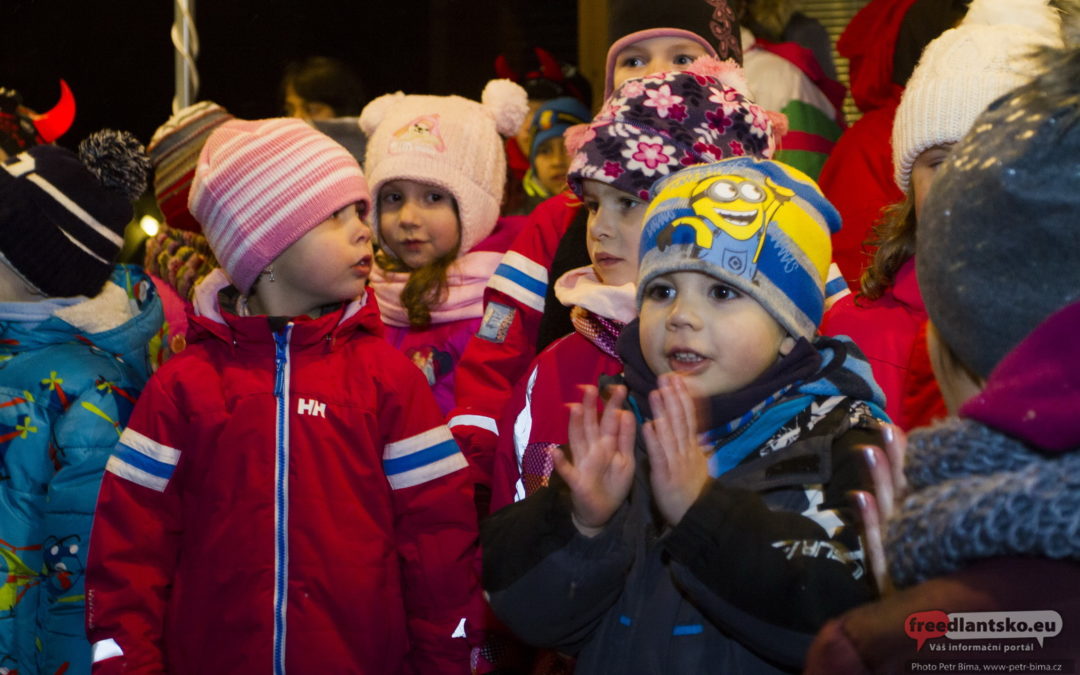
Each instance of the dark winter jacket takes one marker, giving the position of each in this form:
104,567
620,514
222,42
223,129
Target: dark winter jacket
761,560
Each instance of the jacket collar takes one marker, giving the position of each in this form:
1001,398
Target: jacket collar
212,319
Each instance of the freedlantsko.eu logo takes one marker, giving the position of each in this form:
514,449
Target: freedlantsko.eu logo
1037,625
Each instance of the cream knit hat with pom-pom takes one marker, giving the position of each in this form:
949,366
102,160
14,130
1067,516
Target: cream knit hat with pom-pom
447,141
966,68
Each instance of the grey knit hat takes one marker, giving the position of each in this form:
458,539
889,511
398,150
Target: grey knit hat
998,249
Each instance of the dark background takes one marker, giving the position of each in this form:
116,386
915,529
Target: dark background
117,56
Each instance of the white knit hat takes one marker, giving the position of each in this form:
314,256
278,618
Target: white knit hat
447,141
964,70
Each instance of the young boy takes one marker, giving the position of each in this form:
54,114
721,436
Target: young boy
667,556
614,189
286,497
74,330
650,37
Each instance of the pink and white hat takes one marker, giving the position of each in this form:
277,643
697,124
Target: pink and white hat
450,142
260,185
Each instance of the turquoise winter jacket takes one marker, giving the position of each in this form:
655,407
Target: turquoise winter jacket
70,372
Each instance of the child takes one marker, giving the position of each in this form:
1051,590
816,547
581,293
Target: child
662,557
178,257
74,330
286,497
990,524
716,121
959,74
437,169
548,158
648,37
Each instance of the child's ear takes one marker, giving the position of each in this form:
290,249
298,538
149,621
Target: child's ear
786,345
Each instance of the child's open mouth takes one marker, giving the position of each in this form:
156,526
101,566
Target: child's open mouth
685,361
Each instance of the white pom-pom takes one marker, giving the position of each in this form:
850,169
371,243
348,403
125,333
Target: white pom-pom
1034,14
508,104
373,113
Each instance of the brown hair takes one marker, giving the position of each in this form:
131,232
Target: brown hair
426,287
894,237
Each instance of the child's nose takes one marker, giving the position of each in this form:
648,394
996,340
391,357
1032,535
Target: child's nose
683,314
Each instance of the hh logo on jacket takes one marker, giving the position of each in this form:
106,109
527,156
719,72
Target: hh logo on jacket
309,406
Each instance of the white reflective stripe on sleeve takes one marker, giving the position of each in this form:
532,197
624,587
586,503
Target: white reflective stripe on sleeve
522,431
480,421
104,649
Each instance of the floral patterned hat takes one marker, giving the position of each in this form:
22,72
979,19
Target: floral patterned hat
654,126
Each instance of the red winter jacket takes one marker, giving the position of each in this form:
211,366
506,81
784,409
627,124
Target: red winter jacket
537,416
891,331
499,354
283,501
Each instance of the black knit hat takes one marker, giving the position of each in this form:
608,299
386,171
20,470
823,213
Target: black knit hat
62,215
998,249
713,20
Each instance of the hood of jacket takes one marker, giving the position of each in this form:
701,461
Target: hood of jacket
212,320
120,320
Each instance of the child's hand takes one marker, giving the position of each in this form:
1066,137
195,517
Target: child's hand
602,469
680,471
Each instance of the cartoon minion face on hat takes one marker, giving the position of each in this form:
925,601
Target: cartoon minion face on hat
738,206
761,226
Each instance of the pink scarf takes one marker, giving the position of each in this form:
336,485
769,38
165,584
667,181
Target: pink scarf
582,288
466,280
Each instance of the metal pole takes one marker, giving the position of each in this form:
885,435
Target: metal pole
185,41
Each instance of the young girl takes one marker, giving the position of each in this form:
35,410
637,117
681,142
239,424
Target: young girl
960,72
608,176
714,552
286,497
437,169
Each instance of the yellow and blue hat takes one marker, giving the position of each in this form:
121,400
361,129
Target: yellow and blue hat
759,225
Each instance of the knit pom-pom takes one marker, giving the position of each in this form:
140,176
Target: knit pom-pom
374,112
118,160
727,71
575,137
1034,14
508,104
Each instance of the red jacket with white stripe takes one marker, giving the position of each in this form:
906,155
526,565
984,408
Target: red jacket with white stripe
284,501
500,352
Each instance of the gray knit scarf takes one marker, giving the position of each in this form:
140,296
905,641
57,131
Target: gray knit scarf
979,494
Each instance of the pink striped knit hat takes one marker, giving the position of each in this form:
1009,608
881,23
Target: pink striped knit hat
260,185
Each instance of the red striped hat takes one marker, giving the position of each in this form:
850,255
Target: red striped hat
260,185
174,151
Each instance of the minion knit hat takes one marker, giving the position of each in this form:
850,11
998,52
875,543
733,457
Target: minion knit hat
449,142
759,225
964,69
